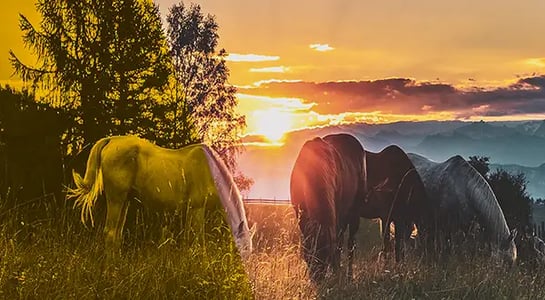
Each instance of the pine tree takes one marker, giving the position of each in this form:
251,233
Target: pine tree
99,59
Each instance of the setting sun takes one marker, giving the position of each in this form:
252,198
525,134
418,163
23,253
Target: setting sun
272,123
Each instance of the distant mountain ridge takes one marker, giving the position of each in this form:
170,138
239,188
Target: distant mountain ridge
514,145
502,143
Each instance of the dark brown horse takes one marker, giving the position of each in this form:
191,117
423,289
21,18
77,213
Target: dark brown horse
396,194
327,183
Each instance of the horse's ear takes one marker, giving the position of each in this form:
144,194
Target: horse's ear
240,228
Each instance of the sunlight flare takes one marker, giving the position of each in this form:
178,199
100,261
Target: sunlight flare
272,123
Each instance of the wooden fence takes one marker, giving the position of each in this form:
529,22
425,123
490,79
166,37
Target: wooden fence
267,201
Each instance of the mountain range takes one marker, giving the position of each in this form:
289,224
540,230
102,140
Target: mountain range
511,145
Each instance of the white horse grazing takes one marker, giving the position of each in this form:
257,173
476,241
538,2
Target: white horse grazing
192,179
461,195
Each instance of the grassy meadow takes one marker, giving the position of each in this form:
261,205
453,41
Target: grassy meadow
278,272
58,258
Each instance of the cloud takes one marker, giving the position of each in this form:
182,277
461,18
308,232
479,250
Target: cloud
398,96
235,57
268,81
537,62
321,47
278,69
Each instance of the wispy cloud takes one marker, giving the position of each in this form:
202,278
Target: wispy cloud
236,57
277,69
321,47
269,81
538,62
265,102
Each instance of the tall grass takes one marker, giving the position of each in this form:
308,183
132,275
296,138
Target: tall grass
278,272
50,255
57,258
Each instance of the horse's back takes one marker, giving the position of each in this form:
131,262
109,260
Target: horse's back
163,177
350,153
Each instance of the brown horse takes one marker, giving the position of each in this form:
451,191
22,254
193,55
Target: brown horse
396,194
327,179
193,180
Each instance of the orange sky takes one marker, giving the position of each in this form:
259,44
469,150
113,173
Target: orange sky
458,43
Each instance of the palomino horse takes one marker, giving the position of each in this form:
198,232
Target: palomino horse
327,179
192,179
396,194
462,195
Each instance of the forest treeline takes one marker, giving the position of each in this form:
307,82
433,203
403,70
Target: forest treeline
110,67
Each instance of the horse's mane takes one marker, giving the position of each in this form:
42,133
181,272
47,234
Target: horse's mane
316,166
481,197
352,168
233,206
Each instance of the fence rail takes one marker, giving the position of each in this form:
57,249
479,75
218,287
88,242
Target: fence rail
266,201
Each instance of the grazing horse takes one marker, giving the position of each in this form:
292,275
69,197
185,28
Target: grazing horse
193,180
396,194
327,178
462,195
353,187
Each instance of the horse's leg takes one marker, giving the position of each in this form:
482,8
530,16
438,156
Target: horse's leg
340,237
401,229
117,206
335,256
386,236
197,224
353,228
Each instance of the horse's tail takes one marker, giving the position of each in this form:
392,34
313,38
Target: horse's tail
90,187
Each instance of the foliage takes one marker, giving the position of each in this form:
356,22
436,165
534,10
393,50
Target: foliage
243,183
30,154
481,164
99,60
510,189
111,70
200,104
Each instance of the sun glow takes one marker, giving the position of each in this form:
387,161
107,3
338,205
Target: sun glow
272,123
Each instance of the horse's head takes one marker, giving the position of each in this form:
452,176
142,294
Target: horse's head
508,249
319,247
243,239
378,191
